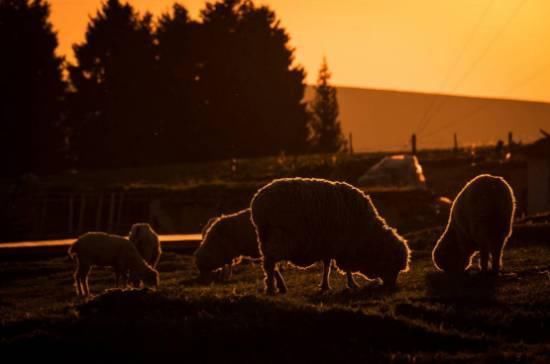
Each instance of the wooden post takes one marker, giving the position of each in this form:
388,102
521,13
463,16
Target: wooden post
413,144
111,213
510,140
119,211
98,212
455,146
81,214
71,214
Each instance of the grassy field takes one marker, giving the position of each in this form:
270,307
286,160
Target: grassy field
431,317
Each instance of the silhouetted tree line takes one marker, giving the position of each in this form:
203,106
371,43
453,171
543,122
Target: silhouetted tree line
148,91
31,89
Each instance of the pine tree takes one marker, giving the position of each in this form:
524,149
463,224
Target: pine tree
251,92
114,104
31,89
327,133
177,67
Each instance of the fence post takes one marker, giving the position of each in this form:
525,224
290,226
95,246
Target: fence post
98,212
455,146
119,212
71,214
111,213
81,214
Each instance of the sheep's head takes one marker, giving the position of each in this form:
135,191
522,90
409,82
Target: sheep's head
213,251
448,255
139,230
397,257
208,262
393,257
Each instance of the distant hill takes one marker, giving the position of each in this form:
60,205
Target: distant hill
385,120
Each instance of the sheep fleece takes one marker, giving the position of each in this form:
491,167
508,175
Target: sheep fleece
308,220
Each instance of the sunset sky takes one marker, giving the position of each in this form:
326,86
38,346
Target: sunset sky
497,48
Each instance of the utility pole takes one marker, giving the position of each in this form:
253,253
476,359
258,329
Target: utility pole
413,144
455,146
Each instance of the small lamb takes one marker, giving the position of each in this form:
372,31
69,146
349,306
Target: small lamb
102,249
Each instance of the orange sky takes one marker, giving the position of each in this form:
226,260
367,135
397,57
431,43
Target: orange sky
497,48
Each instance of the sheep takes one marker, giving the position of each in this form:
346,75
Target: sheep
306,220
101,249
481,220
225,240
147,243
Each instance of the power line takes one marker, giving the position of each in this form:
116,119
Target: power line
477,110
483,53
423,120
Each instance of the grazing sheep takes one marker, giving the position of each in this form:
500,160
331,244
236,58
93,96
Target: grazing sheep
309,220
147,243
103,249
225,240
480,220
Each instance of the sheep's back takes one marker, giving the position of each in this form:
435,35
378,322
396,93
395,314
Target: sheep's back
485,207
100,248
242,234
309,219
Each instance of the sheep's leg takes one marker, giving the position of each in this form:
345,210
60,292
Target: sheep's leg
351,282
229,271
83,271
484,258
325,284
77,282
225,273
121,279
269,281
496,259
280,281
220,274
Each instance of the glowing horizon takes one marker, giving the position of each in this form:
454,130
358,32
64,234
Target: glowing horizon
483,48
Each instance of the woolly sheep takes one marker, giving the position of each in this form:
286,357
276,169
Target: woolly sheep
147,243
306,220
481,220
225,240
101,249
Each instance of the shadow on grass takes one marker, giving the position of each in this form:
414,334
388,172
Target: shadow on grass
462,287
146,324
205,282
370,291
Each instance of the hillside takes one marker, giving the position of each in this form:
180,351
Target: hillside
384,120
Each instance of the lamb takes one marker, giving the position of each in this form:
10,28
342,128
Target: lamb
147,243
481,220
96,248
306,220
226,239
